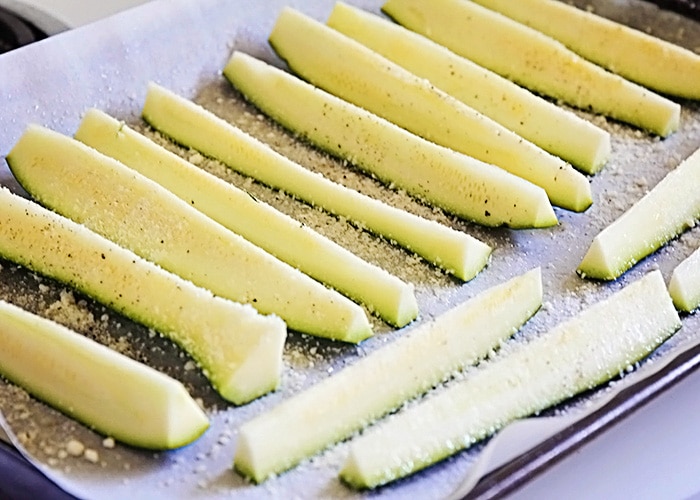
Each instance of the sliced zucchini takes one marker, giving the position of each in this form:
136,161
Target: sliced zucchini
454,182
259,223
379,383
633,54
344,67
551,127
197,128
135,212
107,391
671,207
684,286
239,350
577,355
535,61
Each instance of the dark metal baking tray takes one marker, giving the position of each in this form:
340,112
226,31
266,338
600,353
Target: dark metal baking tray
183,45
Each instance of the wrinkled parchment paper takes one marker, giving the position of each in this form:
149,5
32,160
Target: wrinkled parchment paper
183,45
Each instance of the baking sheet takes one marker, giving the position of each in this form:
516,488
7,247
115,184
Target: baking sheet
183,45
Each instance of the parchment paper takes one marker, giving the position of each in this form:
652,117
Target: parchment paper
183,45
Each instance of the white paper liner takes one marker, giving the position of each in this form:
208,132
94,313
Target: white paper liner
184,45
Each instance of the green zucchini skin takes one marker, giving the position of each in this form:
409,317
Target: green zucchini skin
275,232
350,400
579,354
139,214
535,61
637,56
193,126
671,207
238,349
351,71
463,186
551,127
105,390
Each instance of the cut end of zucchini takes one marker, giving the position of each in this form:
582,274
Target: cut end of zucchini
475,255
545,214
358,329
406,307
353,475
260,369
599,157
681,299
684,285
672,122
246,462
599,264
187,422
581,197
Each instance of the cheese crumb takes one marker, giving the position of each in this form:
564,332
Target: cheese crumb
75,448
91,456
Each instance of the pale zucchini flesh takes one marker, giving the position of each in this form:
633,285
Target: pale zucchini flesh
581,353
282,236
107,391
137,213
380,382
650,61
456,183
344,67
238,350
535,61
541,122
197,128
684,285
672,206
